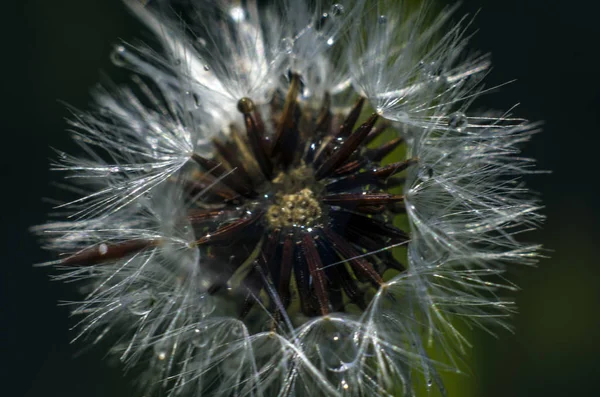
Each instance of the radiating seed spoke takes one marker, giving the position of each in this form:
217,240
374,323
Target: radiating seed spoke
196,216
356,199
359,265
226,233
379,153
104,253
370,227
242,183
348,168
394,168
348,147
324,118
257,147
348,125
316,272
301,274
287,259
286,137
376,132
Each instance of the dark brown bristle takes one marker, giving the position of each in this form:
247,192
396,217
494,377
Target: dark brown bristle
256,145
196,216
356,199
350,121
104,253
238,173
208,165
369,226
226,233
376,132
212,186
287,260
358,264
286,138
373,247
348,168
347,148
316,272
253,284
379,153
323,122
302,276
391,169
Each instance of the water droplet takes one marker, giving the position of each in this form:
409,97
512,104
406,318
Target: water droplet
200,337
287,45
102,249
147,168
177,62
323,21
140,303
429,382
237,14
161,348
382,20
196,100
117,56
330,41
345,385
431,69
337,10
207,305
458,121
340,352
153,142
201,41
206,68
425,173
114,170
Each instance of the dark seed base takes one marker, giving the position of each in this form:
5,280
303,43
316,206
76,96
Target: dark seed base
291,213
314,198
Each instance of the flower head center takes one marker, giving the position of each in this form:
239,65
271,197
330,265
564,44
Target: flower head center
299,209
297,200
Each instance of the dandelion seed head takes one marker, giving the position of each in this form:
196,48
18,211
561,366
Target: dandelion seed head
237,221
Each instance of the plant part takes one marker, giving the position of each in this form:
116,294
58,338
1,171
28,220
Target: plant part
293,200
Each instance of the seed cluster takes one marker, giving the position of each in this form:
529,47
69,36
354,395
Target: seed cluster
303,214
291,210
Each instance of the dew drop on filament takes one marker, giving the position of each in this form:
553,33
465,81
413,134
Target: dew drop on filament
337,10
287,44
102,249
425,173
237,14
117,56
139,304
458,121
200,337
161,349
323,20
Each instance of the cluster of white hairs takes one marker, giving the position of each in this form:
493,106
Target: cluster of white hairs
130,237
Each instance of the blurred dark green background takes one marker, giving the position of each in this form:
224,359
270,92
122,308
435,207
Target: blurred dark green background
55,50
